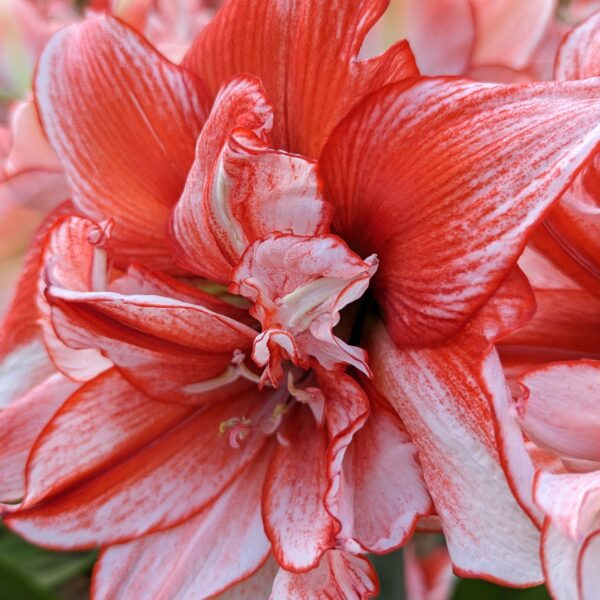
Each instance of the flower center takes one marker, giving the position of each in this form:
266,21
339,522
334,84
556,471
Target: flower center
298,286
271,413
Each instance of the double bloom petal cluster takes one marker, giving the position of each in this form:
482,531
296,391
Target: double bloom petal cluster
259,341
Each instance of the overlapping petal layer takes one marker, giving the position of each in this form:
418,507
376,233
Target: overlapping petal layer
239,189
453,401
565,327
184,469
305,53
381,492
561,410
160,343
448,195
223,544
21,424
124,121
296,522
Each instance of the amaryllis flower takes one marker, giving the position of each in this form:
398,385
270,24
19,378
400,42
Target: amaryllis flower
270,312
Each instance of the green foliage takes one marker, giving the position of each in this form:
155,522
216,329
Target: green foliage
31,573
475,589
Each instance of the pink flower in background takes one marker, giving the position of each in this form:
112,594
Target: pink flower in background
570,237
26,26
488,40
31,185
578,10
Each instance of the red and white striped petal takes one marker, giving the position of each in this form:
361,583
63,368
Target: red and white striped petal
453,402
588,576
559,559
163,370
296,522
239,189
69,258
450,421
240,104
383,484
305,54
338,575
20,425
270,190
346,412
209,553
570,500
156,487
102,423
133,167
169,320
579,54
513,152
561,409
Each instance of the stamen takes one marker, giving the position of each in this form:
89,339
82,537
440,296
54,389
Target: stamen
271,425
269,415
99,238
238,429
311,396
234,371
266,421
